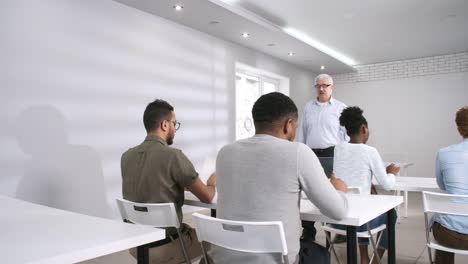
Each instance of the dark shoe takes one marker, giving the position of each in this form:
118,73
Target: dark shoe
339,239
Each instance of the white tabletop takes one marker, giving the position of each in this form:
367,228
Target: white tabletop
414,184
192,200
32,233
362,208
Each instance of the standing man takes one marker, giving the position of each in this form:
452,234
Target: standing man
320,129
153,172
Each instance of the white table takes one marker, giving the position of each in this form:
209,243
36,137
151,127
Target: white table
32,233
403,172
362,209
412,184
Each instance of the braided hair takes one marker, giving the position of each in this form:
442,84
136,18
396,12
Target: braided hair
352,119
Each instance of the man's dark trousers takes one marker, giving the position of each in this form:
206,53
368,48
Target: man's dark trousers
309,231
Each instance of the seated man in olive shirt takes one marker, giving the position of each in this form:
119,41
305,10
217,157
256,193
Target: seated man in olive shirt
153,172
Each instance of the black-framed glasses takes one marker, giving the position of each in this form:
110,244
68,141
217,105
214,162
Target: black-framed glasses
176,124
322,86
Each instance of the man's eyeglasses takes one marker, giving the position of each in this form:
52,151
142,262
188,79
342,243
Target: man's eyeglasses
176,124
322,86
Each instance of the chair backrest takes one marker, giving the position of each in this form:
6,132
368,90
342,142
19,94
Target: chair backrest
354,189
151,214
252,237
445,203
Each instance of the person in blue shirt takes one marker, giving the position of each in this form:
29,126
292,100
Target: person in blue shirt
319,128
452,176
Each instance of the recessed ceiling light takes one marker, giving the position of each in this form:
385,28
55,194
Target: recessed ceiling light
178,7
291,54
245,35
322,67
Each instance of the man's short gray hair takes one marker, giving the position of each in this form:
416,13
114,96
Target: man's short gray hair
324,75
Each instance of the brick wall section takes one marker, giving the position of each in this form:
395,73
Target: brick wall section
406,68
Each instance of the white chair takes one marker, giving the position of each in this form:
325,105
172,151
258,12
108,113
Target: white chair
155,215
249,237
369,234
444,204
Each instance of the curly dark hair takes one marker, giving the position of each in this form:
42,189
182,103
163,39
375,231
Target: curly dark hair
352,119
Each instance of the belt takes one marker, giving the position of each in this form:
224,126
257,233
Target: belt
324,149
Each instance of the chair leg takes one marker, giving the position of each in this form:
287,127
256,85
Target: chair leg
332,246
427,230
182,245
430,255
406,204
379,237
374,246
205,256
327,243
285,259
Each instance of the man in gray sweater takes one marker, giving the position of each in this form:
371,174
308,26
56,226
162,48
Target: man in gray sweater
260,179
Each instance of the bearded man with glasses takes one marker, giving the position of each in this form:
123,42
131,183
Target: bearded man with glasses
154,172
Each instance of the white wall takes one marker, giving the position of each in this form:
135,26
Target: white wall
410,111
75,79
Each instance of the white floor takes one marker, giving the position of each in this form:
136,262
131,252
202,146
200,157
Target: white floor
410,240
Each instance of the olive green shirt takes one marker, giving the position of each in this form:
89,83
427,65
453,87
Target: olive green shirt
153,172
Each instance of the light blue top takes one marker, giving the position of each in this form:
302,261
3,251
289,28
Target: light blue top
452,176
356,164
319,126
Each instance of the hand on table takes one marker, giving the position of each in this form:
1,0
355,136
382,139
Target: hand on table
339,184
393,169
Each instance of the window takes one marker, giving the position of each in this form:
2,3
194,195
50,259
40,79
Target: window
250,85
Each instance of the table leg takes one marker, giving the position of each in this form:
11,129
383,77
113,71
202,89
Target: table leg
397,193
351,245
405,193
391,236
213,212
143,254
406,203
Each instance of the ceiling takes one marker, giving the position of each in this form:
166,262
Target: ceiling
333,33
372,31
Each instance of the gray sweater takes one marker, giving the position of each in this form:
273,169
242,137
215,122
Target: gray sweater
260,179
